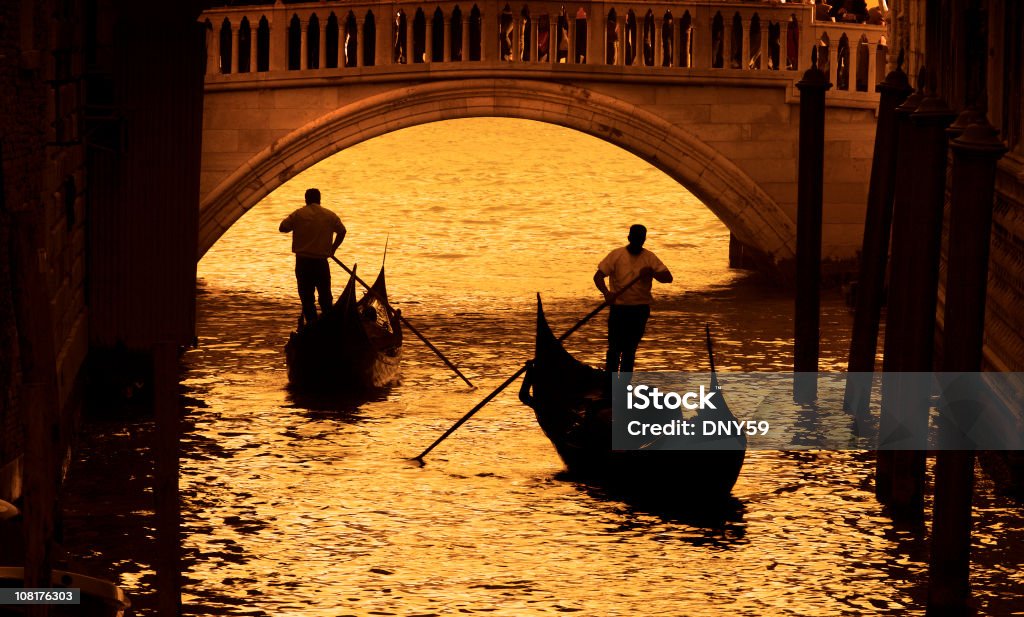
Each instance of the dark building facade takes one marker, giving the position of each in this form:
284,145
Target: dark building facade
100,117
976,50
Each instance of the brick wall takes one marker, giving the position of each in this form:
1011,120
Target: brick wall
42,210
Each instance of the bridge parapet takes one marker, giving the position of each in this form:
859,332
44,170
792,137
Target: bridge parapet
726,42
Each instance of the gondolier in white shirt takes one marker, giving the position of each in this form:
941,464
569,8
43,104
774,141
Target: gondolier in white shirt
316,235
630,307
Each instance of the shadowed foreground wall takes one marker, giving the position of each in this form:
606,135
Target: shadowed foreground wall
100,118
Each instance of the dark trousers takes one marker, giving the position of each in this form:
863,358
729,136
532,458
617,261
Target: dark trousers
313,274
626,325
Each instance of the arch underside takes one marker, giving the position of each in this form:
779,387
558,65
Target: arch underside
744,207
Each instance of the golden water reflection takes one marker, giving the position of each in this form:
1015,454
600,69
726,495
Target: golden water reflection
295,509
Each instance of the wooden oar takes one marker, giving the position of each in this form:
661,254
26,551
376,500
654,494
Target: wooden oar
405,322
711,355
507,382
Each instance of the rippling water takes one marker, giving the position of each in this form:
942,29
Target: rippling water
293,507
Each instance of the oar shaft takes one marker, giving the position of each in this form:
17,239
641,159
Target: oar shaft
413,329
405,322
593,313
711,353
582,322
505,384
469,415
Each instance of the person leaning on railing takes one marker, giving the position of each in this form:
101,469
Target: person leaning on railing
822,11
850,11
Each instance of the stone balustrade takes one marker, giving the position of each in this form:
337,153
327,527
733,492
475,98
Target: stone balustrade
707,39
853,55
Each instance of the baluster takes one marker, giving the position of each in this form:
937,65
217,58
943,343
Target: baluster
553,36
570,58
597,36
235,31
765,35
428,44
744,43
360,23
322,44
805,40
304,46
384,26
703,40
620,53
343,47
851,70
410,37
359,51
489,32
446,25
637,44
677,40
833,62
659,53
253,47
277,42
638,41
517,32
872,66
212,51
534,33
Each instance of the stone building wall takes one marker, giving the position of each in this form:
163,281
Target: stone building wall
41,214
997,70
99,134
1005,93
906,32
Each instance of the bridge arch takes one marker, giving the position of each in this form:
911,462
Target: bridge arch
743,206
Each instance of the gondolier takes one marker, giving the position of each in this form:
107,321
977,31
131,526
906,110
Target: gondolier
630,307
313,227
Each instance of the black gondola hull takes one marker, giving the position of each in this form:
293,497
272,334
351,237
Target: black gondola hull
572,406
353,347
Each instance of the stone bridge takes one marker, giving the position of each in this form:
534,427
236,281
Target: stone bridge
704,91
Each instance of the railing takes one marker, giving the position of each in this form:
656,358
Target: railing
853,55
745,40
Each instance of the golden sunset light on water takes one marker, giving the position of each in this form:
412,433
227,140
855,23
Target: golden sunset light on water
338,309
489,210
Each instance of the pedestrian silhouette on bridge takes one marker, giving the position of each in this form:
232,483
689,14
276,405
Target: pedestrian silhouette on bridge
313,227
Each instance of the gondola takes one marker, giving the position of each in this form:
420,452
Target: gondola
356,346
96,597
573,407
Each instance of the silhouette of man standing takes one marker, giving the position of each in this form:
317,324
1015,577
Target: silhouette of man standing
630,308
313,227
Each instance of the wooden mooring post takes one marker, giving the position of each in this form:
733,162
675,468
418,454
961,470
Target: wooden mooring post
40,490
976,149
874,254
909,340
40,399
166,492
904,164
810,184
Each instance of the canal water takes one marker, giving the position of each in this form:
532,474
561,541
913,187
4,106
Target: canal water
307,507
